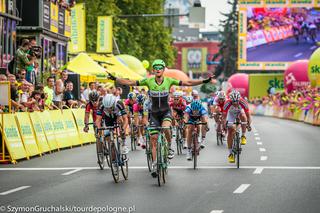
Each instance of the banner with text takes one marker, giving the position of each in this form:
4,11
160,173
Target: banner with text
78,29
104,34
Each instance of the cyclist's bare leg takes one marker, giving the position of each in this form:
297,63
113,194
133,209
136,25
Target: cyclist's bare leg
231,132
153,140
204,119
167,132
243,118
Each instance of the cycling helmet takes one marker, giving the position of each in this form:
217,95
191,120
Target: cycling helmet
189,99
131,95
221,95
234,96
109,100
140,99
93,96
195,92
195,105
177,94
158,62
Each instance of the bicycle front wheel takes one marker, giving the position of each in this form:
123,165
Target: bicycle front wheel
148,152
100,153
124,166
160,162
178,139
195,151
238,152
114,157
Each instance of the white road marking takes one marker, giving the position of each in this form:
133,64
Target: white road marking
14,190
262,149
170,167
257,138
313,47
241,188
71,172
256,134
258,170
263,158
259,143
298,55
216,211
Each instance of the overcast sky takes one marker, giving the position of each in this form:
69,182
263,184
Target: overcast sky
213,9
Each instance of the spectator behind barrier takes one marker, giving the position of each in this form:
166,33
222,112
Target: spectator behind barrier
68,96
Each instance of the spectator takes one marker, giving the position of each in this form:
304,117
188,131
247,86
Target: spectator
92,87
3,77
21,58
38,102
82,97
68,95
49,92
24,96
58,93
64,77
14,93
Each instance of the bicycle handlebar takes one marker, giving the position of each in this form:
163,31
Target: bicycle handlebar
195,123
108,127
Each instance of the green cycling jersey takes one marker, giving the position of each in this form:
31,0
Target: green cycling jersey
159,93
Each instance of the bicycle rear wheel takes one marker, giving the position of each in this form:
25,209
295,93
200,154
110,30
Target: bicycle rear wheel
114,156
133,138
100,153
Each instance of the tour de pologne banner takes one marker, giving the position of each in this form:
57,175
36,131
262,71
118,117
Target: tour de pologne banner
78,29
104,34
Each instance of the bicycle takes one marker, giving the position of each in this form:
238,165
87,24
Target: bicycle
162,154
117,159
195,142
179,136
148,149
236,145
219,134
133,135
101,148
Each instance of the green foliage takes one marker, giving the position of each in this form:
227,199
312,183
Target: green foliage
143,37
208,88
229,44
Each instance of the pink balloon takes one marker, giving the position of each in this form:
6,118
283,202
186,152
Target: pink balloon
240,82
296,75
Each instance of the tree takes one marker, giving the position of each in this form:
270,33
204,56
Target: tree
228,48
143,37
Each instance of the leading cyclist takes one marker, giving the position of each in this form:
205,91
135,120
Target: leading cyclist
159,88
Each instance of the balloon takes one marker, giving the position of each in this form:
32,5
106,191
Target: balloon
296,75
314,69
240,82
145,64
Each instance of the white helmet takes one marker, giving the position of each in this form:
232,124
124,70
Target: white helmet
109,100
221,95
234,96
195,92
177,94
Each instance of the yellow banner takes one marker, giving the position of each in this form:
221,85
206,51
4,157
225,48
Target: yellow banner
84,137
104,34
71,127
2,6
60,129
265,81
78,29
54,17
12,138
39,133
67,23
47,126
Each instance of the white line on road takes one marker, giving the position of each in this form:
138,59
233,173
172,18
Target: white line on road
258,170
298,55
259,143
216,211
71,172
257,138
14,190
241,188
256,134
262,149
313,47
263,158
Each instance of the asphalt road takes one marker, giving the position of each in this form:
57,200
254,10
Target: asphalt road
282,51
280,172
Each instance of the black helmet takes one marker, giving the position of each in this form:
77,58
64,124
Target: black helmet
93,96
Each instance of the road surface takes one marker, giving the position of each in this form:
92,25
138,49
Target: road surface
280,172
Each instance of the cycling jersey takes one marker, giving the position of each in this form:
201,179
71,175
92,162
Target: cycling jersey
138,109
110,119
195,116
216,102
228,106
159,93
130,105
180,106
94,109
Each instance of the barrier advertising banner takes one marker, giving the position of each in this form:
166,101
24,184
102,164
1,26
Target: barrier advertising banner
39,133
60,129
48,128
71,127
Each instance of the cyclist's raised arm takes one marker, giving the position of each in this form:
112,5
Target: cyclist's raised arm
196,82
122,80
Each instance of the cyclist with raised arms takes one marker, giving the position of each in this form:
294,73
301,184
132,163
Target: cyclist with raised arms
233,108
159,88
111,112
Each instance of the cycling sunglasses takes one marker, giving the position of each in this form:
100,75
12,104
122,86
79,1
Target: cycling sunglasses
158,67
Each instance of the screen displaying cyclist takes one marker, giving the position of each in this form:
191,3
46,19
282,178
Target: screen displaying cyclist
159,88
193,113
233,108
110,113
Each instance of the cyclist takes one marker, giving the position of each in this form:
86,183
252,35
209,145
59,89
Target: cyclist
217,108
188,99
139,112
92,106
235,107
195,95
178,105
195,112
159,88
111,112
129,102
